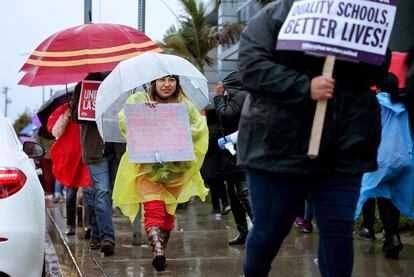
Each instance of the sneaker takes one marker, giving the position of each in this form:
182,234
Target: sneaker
107,248
87,233
182,206
193,200
366,234
215,212
58,198
304,225
95,243
239,239
298,221
392,246
70,230
226,210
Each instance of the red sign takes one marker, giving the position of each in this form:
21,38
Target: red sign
398,66
87,100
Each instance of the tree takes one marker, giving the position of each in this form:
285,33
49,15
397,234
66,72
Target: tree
262,2
22,121
193,38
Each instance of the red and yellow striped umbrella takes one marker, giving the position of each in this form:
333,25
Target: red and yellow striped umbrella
70,55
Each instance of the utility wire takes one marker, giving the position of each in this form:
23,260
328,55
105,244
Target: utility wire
168,7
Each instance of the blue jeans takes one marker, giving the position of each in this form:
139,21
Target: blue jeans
274,200
87,199
308,209
58,189
101,222
71,203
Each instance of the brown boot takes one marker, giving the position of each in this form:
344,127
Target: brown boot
156,241
166,235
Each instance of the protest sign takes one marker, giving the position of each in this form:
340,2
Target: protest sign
160,134
353,30
350,29
87,100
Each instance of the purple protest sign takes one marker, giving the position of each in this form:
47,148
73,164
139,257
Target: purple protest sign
353,29
160,134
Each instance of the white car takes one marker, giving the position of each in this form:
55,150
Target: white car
22,206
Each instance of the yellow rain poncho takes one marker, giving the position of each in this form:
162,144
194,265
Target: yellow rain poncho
171,182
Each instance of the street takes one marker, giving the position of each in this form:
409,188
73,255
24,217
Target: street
198,247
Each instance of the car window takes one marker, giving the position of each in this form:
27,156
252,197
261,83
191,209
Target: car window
12,148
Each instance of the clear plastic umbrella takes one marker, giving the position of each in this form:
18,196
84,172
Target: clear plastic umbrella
131,75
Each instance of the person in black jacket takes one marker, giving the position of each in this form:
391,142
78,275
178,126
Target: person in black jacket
228,103
274,131
211,169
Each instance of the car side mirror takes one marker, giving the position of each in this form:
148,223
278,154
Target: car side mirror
33,149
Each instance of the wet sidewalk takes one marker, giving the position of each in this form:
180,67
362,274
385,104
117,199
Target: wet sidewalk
199,247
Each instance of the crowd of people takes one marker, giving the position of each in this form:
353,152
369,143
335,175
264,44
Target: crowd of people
269,178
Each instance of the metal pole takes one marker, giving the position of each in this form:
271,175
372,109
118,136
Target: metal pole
6,100
136,226
87,11
141,15
43,95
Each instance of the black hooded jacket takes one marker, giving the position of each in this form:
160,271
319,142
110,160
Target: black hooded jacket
277,116
228,108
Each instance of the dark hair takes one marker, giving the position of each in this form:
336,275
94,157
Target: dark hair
390,84
179,92
97,76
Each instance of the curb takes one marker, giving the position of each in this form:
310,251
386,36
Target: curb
65,259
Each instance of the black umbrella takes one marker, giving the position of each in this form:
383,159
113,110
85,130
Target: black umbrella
55,101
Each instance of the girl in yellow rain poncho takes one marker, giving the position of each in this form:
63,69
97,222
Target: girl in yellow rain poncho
160,187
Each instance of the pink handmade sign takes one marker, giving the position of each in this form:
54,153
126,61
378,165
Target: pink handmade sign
160,134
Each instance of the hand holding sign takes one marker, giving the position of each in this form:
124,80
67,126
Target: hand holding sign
322,87
351,30
159,133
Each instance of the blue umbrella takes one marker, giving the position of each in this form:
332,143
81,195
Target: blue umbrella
30,130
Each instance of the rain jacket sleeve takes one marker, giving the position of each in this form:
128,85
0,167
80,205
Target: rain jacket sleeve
171,182
54,119
257,51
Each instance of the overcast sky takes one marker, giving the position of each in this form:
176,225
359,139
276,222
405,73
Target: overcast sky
26,23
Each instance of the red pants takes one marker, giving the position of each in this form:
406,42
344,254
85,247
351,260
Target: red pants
156,215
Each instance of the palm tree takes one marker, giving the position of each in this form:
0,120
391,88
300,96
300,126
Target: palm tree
193,38
262,2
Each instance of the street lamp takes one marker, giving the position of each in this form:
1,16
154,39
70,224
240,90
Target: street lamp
6,100
141,16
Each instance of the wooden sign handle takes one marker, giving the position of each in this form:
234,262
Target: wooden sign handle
319,117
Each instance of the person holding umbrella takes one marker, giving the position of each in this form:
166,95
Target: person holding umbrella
68,167
161,186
